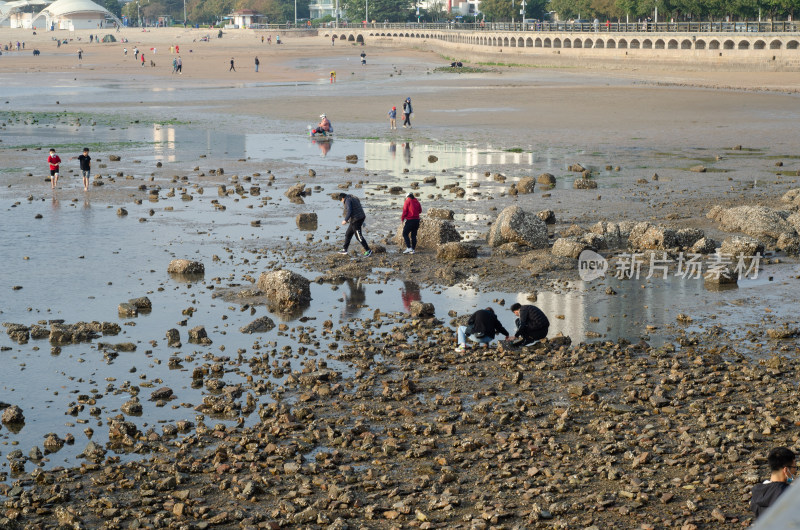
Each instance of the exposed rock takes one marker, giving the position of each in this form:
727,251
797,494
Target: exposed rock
440,213
306,221
132,407
185,266
687,237
173,338
12,415
792,197
616,234
259,325
456,250
698,169
114,158
741,245
198,335
287,289
526,185
297,190
164,392
122,212
546,179
514,225
577,168
433,158
127,310
548,216
568,248
789,243
94,452
421,309
142,303
704,245
584,184
432,233
352,159
756,221
645,236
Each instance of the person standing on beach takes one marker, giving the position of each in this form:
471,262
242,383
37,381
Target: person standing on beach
80,54
410,218
257,63
135,53
55,162
407,110
125,52
232,67
142,58
174,64
363,59
393,118
180,65
333,76
86,167
262,39
355,216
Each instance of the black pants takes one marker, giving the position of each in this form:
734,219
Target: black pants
530,335
407,118
354,229
410,229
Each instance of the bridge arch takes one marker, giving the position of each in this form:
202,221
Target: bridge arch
775,45
556,43
791,45
713,45
659,44
537,43
567,43
647,44
635,44
529,42
588,43
728,45
622,44
744,45
759,45
700,44
686,44
360,38
611,43
599,43
547,43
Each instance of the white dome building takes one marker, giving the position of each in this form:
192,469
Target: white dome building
75,14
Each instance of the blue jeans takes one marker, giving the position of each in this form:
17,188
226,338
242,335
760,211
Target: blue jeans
462,336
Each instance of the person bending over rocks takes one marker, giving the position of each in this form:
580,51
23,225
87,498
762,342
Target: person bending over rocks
783,467
531,322
481,326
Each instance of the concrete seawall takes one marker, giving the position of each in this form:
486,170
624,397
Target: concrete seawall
696,51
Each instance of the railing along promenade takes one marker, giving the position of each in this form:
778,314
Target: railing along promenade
570,27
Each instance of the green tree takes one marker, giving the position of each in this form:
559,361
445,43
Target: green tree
379,10
536,9
112,5
497,10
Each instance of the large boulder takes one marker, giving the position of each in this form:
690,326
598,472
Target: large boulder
259,325
647,237
432,233
756,221
687,237
568,248
440,213
285,288
546,179
514,225
741,245
526,185
789,243
185,266
704,245
794,221
456,250
792,197
584,184
296,190
13,415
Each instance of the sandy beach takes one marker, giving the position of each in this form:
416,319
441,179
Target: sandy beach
134,397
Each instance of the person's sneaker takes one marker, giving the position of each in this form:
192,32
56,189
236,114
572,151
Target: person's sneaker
343,251
519,341
412,251
367,253
407,251
461,348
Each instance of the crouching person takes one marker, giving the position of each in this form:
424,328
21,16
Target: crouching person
481,326
531,323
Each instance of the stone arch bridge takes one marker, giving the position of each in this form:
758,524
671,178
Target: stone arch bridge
572,40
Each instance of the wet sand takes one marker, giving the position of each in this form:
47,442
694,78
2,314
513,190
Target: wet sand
355,413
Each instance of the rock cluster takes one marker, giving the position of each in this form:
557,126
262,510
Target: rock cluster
514,225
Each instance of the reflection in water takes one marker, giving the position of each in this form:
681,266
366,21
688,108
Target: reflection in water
354,300
407,153
324,145
410,293
393,149
164,141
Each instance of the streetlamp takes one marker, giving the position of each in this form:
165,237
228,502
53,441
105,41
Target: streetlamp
184,13
366,11
295,13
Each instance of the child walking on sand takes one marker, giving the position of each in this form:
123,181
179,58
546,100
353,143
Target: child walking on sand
54,162
86,167
393,118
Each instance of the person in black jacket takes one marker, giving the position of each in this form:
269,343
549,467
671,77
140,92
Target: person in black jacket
482,326
531,322
355,216
783,467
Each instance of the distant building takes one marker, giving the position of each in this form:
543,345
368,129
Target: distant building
321,8
74,14
244,18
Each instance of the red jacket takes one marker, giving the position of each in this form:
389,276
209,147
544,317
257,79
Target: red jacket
411,209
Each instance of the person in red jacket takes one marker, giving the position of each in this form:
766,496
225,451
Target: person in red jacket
55,162
410,218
